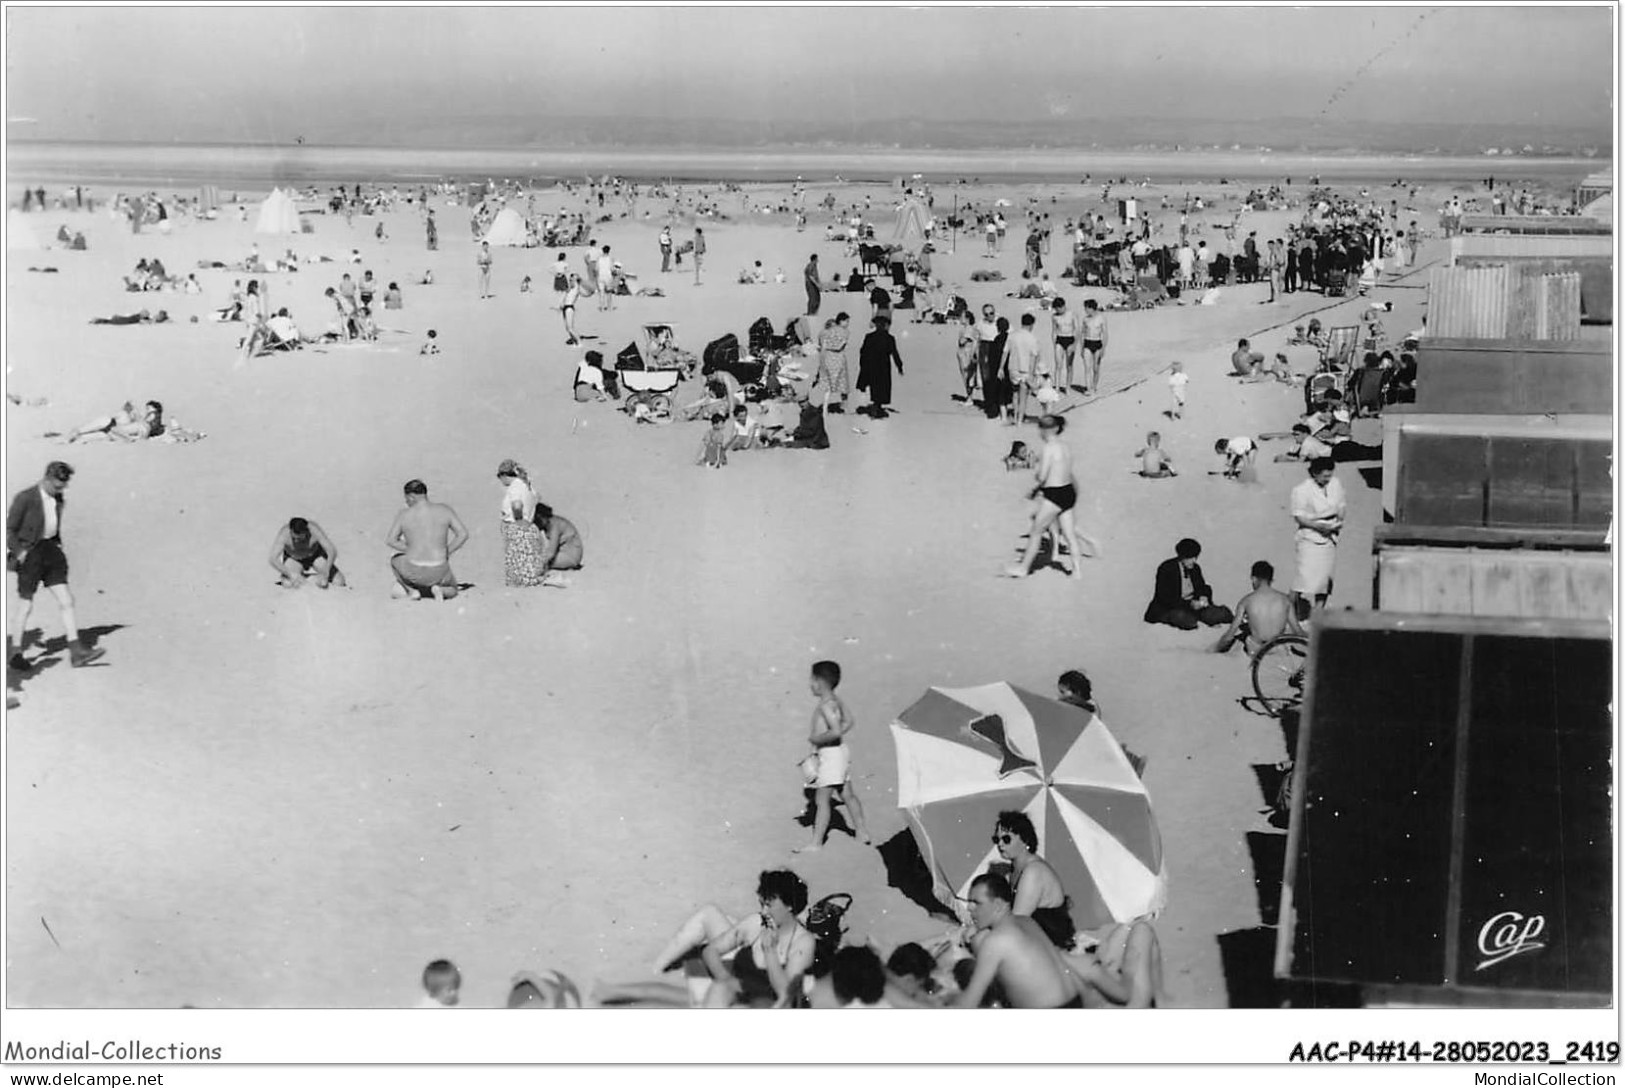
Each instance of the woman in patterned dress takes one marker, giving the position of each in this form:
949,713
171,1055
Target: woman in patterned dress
523,560
832,361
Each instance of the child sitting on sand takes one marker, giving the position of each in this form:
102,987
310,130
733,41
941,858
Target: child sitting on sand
747,430
1019,458
1154,463
714,446
429,346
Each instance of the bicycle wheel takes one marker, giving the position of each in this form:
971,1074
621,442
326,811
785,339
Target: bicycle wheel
1278,672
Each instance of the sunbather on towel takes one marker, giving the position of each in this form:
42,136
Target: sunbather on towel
142,317
125,425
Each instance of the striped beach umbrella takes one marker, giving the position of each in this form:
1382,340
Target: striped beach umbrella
965,754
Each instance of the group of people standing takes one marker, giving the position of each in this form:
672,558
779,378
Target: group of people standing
876,356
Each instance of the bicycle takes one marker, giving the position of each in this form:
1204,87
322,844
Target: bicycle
1279,669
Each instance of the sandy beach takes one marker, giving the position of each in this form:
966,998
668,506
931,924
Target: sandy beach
272,798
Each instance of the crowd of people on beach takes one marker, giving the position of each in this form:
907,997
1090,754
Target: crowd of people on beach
1017,946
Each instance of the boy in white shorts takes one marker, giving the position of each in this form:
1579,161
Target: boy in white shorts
830,765
1177,381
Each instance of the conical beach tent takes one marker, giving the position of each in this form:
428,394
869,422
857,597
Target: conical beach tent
910,219
507,229
20,233
966,754
277,215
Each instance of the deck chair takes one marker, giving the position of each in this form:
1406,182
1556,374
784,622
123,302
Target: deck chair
1340,343
1317,387
270,342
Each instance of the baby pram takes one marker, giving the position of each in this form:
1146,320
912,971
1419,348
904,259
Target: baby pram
648,391
661,351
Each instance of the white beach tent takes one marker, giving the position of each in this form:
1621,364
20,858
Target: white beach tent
507,229
20,233
277,215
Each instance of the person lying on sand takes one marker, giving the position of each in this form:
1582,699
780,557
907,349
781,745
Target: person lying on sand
129,426
125,425
141,317
302,549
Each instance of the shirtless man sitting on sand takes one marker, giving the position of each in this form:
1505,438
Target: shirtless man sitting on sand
1261,615
1014,952
302,549
423,537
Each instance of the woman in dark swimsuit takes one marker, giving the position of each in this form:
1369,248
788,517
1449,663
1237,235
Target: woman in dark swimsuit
1058,488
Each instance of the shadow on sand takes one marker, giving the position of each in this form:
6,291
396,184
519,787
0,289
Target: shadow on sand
907,871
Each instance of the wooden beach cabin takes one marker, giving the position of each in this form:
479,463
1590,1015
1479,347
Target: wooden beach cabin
1596,187
1530,248
1451,839
1532,574
1503,434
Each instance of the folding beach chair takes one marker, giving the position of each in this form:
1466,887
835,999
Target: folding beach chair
1340,343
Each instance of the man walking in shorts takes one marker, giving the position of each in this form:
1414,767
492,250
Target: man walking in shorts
34,551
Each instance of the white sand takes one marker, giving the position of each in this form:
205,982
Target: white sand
275,798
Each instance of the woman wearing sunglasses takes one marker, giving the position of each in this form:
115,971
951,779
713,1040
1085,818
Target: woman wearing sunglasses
1039,894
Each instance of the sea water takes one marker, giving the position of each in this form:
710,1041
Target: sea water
256,168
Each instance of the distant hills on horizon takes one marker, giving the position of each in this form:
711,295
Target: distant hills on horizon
1283,135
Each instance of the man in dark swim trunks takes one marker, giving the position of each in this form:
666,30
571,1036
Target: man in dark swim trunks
302,549
1014,952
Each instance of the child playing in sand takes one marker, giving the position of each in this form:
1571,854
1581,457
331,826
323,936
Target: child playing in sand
1154,463
714,447
441,982
430,347
829,768
747,430
1238,453
1177,380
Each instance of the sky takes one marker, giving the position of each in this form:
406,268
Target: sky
360,74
